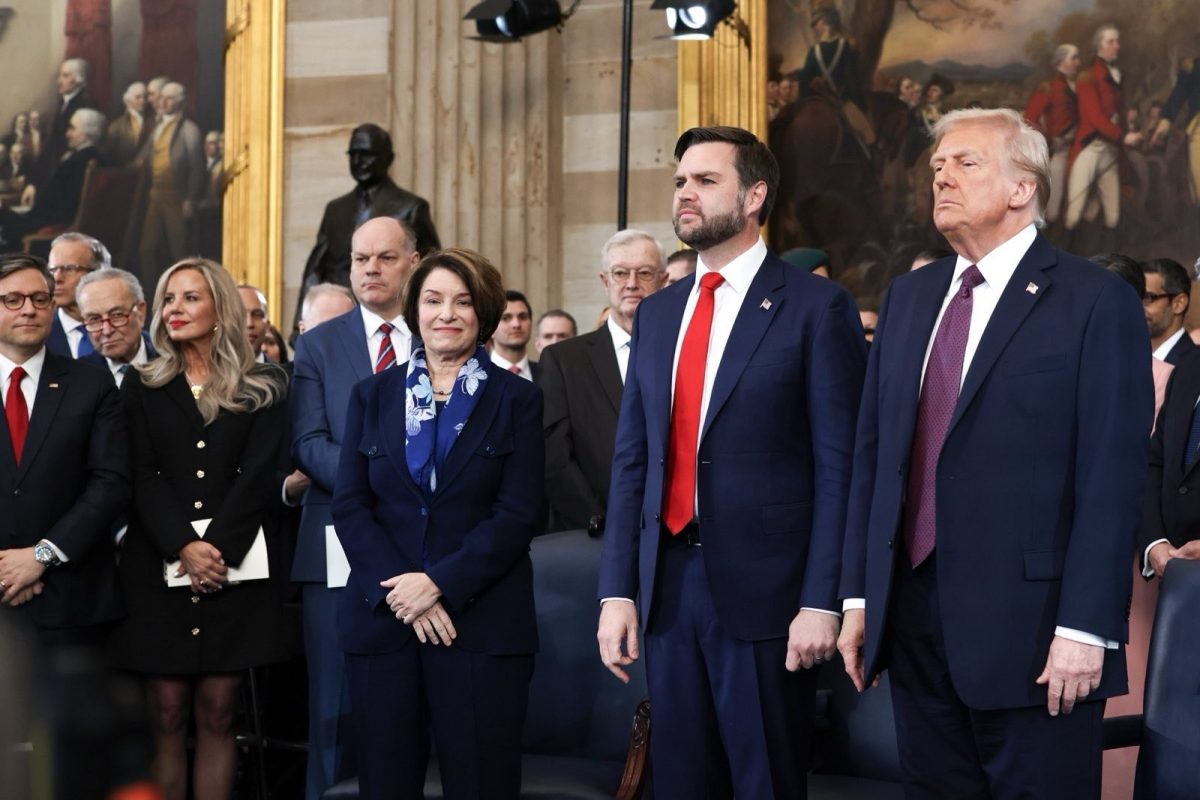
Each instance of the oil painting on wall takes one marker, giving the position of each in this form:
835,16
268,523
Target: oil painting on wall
854,89
110,124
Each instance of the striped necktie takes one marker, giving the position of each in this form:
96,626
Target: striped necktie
387,353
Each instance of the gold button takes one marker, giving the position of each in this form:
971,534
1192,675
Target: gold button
195,598
198,505
199,473
195,631
200,444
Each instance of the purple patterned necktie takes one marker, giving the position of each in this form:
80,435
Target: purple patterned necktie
939,395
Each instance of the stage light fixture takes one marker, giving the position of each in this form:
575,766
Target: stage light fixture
689,20
510,20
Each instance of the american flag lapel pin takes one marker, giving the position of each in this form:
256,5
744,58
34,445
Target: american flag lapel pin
52,386
765,305
1031,288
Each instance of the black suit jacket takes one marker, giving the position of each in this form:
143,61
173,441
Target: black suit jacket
1182,349
582,386
57,144
1172,505
535,370
72,482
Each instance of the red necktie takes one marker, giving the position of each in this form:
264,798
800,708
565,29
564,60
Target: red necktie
514,369
387,353
935,408
16,412
679,492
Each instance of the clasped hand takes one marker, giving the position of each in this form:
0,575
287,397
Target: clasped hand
20,576
203,565
410,595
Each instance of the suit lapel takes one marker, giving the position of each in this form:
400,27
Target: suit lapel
753,319
476,429
603,359
663,329
1015,304
916,331
392,395
1177,434
181,394
52,388
353,340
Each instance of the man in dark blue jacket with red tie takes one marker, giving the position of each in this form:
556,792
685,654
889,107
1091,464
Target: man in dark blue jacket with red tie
729,485
999,461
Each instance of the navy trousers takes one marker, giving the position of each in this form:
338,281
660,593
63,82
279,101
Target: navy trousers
330,737
950,750
729,719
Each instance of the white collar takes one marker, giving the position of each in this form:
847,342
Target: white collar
68,322
620,337
140,357
33,367
372,321
1000,264
504,363
739,272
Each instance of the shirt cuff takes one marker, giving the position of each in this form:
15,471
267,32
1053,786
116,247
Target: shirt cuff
854,604
283,493
120,535
1085,638
61,555
604,600
1147,570
837,614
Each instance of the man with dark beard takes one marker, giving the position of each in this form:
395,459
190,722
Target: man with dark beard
729,487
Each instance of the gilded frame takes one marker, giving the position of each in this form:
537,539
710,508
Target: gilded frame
252,239
722,81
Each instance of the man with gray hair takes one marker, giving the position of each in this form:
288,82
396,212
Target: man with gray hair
1054,110
583,379
174,163
127,133
113,307
996,488
55,200
72,256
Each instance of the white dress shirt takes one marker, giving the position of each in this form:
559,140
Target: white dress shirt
522,366
401,338
140,357
1164,349
997,268
29,384
74,330
620,340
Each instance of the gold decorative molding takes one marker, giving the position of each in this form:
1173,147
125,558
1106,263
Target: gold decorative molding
723,81
253,185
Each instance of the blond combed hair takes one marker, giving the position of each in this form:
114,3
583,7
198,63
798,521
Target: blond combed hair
236,382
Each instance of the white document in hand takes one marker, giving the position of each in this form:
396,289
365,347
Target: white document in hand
337,566
254,566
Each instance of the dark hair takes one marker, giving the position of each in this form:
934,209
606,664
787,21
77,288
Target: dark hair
482,280
830,16
380,137
15,262
686,254
932,254
1174,277
1124,268
558,312
752,159
280,342
513,296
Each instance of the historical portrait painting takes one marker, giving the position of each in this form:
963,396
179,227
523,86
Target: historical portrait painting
111,124
855,88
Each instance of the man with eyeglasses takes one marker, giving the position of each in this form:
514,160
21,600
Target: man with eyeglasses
72,255
113,308
1168,290
64,471
582,381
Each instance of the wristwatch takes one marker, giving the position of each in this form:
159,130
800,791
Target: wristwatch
45,554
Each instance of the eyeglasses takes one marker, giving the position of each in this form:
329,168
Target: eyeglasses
1150,298
94,323
69,268
621,275
15,301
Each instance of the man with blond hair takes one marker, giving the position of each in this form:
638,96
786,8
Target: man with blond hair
996,489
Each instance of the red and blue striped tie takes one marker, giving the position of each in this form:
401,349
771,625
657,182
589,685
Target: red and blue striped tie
387,353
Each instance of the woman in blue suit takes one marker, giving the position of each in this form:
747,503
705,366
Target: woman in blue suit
439,493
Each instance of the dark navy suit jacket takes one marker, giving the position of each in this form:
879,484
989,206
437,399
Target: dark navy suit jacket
471,536
98,359
774,459
329,360
1039,481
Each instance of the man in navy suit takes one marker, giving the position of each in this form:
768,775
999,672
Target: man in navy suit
999,462
732,463
330,360
113,308
72,255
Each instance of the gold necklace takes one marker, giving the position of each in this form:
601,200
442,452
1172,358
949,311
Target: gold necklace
197,388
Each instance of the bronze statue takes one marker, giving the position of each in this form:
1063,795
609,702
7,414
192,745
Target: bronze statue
375,195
